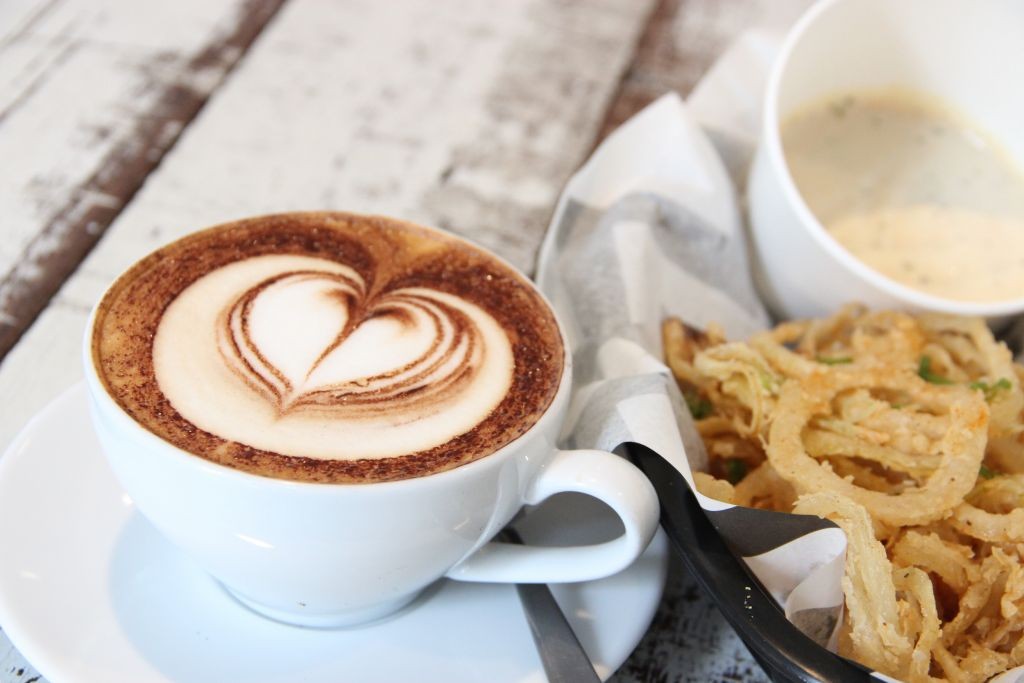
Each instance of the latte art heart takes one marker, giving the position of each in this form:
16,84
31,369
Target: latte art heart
297,357
309,340
329,347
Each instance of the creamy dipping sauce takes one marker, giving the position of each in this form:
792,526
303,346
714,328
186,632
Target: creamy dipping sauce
914,191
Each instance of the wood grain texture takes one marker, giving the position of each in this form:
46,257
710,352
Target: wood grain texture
89,108
470,116
13,667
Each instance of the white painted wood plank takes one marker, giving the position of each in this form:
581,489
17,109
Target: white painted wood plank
76,78
13,667
16,15
182,26
468,115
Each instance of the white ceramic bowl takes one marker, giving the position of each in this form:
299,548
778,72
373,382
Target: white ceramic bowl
970,54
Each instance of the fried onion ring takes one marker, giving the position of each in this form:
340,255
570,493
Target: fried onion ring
868,582
962,448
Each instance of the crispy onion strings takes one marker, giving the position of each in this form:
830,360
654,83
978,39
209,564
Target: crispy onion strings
906,431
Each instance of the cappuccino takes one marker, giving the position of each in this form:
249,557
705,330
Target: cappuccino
328,347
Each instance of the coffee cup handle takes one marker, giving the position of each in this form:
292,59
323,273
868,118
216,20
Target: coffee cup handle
600,474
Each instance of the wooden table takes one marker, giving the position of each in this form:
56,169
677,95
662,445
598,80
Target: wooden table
124,124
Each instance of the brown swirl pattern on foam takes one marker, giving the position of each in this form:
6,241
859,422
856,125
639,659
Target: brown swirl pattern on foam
438,373
388,256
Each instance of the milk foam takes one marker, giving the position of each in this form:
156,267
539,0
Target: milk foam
289,354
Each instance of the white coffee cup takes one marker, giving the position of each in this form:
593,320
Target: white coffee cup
328,555
969,54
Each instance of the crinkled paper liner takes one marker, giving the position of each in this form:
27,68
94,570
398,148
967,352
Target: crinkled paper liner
651,227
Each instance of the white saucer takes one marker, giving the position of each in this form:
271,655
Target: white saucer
89,592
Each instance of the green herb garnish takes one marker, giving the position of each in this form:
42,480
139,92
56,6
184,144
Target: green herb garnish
769,382
735,470
699,406
924,370
841,106
835,360
986,473
992,390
